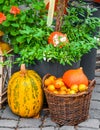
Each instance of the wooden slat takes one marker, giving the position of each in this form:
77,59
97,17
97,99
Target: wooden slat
5,73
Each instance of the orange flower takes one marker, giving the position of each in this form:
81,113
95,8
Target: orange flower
14,10
2,17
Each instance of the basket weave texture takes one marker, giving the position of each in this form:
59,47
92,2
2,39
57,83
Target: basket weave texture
69,109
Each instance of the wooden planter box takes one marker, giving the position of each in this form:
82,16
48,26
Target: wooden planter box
5,73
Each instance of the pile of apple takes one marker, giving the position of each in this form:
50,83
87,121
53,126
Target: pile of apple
69,83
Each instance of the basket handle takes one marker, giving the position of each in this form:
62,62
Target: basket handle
92,84
46,76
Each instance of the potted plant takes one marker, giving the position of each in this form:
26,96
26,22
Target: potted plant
89,65
27,32
88,60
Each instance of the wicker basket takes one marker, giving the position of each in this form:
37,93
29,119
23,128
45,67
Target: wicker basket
69,109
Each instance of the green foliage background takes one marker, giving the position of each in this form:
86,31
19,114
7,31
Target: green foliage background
28,32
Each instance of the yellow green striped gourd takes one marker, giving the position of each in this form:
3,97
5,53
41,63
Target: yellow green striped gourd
25,94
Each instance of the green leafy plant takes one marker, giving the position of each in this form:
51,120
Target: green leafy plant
27,32
26,27
80,26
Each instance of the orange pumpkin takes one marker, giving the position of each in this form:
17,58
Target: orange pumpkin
75,76
57,37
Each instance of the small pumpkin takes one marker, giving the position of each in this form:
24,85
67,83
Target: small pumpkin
75,76
5,47
25,95
56,38
1,33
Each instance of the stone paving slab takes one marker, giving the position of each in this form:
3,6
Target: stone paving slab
7,128
8,123
95,105
48,122
84,128
95,96
67,128
49,128
30,122
90,123
97,88
94,114
1,111
97,73
97,80
29,129
7,114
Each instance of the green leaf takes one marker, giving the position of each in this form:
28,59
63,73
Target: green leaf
16,49
29,39
38,5
23,17
16,25
11,17
6,8
21,39
6,23
1,1
14,32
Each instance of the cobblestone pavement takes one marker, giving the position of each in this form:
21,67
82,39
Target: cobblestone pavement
9,121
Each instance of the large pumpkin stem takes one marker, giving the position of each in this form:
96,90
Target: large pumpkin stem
81,68
22,70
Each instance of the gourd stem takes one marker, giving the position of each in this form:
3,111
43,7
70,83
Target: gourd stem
23,69
81,68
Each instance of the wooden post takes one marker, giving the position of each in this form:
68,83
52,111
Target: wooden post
5,74
61,6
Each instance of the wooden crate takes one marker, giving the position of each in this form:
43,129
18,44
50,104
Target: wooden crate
5,73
